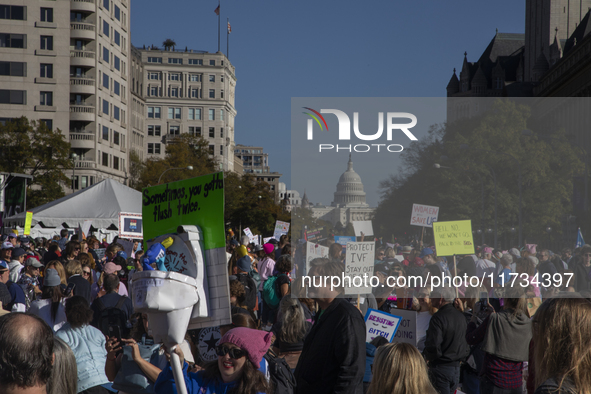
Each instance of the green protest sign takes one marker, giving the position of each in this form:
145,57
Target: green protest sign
196,201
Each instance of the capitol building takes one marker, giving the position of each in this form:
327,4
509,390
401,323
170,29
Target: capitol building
349,201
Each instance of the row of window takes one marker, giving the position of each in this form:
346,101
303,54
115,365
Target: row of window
155,149
109,108
175,113
156,131
117,137
116,10
177,60
175,91
112,161
177,77
110,83
109,57
109,31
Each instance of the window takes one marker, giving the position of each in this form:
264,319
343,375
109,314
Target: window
174,92
211,148
195,131
150,149
154,130
197,113
212,62
105,133
47,43
174,77
106,55
191,113
212,78
13,96
46,98
175,60
222,77
106,28
106,4
105,159
117,38
221,114
222,93
14,12
195,93
154,112
211,132
116,137
174,113
211,93
153,91
174,130
46,71
13,69
105,81
46,14
154,60
116,112
212,114
195,78
117,62
221,150
12,40
48,123
117,13
157,149
222,132
198,62
116,87
105,107
115,163
84,182
155,76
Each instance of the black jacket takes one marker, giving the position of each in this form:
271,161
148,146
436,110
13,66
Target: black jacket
446,343
581,279
81,288
333,357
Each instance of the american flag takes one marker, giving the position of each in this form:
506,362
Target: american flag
217,10
229,28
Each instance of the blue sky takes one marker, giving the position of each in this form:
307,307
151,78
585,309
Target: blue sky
344,48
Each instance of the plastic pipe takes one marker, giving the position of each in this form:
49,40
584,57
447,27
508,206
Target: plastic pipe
177,372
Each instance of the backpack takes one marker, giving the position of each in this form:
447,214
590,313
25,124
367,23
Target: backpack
250,289
254,275
112,317
284,381
270,293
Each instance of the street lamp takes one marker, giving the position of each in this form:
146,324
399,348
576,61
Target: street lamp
481,192
190,168
465,146
74,157
549,230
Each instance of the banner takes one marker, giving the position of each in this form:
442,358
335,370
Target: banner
344,239
423,215
378,323
28,220
130,225
359,262
280,229
453,238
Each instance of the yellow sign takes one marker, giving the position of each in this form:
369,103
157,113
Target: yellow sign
453,238
28,220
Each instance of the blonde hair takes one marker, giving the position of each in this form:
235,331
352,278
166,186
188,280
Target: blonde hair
561,335
399,368
73,267
58,266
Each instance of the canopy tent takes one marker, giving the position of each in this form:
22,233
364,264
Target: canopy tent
101,203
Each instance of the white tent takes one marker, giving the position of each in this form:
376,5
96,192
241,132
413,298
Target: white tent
100,203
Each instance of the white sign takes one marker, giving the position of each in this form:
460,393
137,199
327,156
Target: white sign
266,240
364,227
423,215
407,331
252,238
314,251
280,229
378,323
359,262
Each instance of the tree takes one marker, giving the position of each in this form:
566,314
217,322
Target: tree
136,167
32,148
169,43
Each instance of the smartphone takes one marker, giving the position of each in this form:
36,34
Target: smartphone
67,290
483,300
115,331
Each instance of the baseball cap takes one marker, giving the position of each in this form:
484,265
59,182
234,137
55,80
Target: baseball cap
234,242
122,254
110,268
34,261
12,235
7,245
426,252
17,252
487,250
3,265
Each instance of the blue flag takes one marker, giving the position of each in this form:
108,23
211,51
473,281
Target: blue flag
580,241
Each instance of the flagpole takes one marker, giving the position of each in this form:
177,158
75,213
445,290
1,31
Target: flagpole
219,4
228,39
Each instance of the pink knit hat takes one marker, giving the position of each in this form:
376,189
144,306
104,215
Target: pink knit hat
268,248
254,342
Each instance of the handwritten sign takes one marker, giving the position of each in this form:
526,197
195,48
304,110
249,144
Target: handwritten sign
343,240
280,229
378,323
424,215
359,267
407,331
453,237
28,221
314,251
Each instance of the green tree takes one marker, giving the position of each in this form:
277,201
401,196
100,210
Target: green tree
169,43
32,148
136,167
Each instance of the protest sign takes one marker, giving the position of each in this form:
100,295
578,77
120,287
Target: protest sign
314,251
280,229
100,253
453,237
265,240
315,235
207,339
423,215
28,221
251,237
359,267
407,331
378,323
130,225
127,246
344,239
364,227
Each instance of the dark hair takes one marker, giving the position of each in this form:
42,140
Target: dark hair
71,248
286,249
251,380
335,250
237,290
379,341
78,311
283,263
110,283
55,294
26,359
64,233
52,248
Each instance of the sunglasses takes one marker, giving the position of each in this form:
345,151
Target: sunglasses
76,248
85,272
234,353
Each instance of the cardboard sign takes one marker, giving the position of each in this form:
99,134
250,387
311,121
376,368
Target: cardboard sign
423,215
315,235
359,267
314,251
265,240
280,229
378,323
130,225
407,332
251,237
364,227
100,253
453,238
28,221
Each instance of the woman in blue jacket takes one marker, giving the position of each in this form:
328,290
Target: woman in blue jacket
240,352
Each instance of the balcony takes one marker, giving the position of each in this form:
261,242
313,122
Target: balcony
82,85
85,164
170,138
82,112
82,58
82,5
82,30
82,140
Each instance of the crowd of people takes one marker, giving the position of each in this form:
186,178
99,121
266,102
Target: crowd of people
68,324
